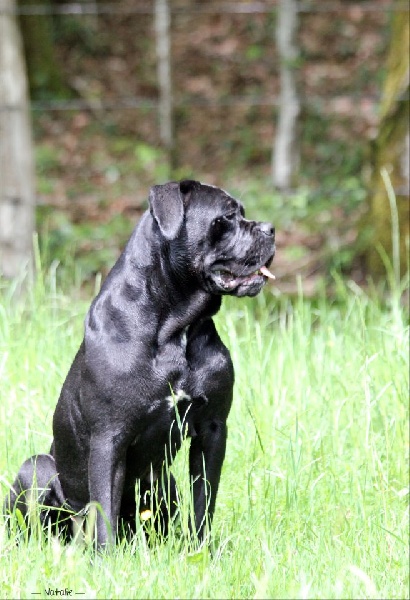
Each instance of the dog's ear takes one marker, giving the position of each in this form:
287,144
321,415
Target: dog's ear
167,208
187,185
167,205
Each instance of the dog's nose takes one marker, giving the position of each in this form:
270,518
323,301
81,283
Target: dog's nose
267,229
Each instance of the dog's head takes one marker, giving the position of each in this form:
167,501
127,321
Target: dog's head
208,237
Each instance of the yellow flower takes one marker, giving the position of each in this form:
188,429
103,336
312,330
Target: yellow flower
145,514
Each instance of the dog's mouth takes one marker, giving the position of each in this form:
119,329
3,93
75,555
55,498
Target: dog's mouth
229,281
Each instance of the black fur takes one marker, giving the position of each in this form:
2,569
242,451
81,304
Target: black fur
151,348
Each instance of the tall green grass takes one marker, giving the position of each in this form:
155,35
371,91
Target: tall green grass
313,501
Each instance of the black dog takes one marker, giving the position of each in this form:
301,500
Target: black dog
152,368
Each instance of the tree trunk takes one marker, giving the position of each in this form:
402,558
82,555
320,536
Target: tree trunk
285,162
16,157
389,213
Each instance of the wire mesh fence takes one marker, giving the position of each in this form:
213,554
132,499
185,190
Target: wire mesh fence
225,83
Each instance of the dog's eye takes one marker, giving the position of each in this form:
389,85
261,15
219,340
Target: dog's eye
218,224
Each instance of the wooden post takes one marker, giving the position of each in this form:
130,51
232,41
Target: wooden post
163,44
285,158
16,155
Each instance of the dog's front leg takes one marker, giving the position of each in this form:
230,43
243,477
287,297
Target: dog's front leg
206,456
106,472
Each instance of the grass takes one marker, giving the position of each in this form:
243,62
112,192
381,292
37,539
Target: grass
313,501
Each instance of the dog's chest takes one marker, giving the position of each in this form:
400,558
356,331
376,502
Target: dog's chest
191,383
195,366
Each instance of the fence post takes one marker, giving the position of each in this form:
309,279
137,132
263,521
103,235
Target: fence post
16,156
285,160
163,45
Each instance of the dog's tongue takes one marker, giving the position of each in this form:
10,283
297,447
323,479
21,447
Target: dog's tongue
265,271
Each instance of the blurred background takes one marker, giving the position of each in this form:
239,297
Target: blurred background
300,109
